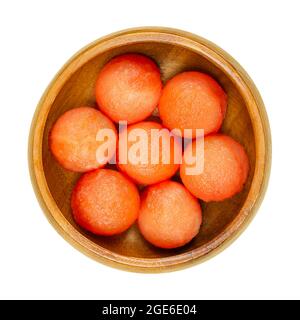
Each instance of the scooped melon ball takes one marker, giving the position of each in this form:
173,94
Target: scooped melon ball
74,139
128,88
225,170
192,100
169,216
241,155
152,155
105,202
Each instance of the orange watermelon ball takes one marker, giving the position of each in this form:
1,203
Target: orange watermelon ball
169,216
193,100
240,154
105,202
226,167
128,88
73,138
150,172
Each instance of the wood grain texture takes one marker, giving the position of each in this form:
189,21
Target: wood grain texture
246,121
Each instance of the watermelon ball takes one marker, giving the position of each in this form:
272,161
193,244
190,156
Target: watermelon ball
240,154
169,216
128,88
105,202
226,167
73,139
192,100
148,171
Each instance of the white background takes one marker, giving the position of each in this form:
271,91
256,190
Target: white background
37,37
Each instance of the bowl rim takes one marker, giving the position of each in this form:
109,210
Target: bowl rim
259,122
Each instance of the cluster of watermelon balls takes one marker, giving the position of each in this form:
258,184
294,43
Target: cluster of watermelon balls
108,201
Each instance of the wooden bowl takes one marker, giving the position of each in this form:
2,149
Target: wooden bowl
246,121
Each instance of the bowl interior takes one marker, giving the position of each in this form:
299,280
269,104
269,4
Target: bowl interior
78,90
